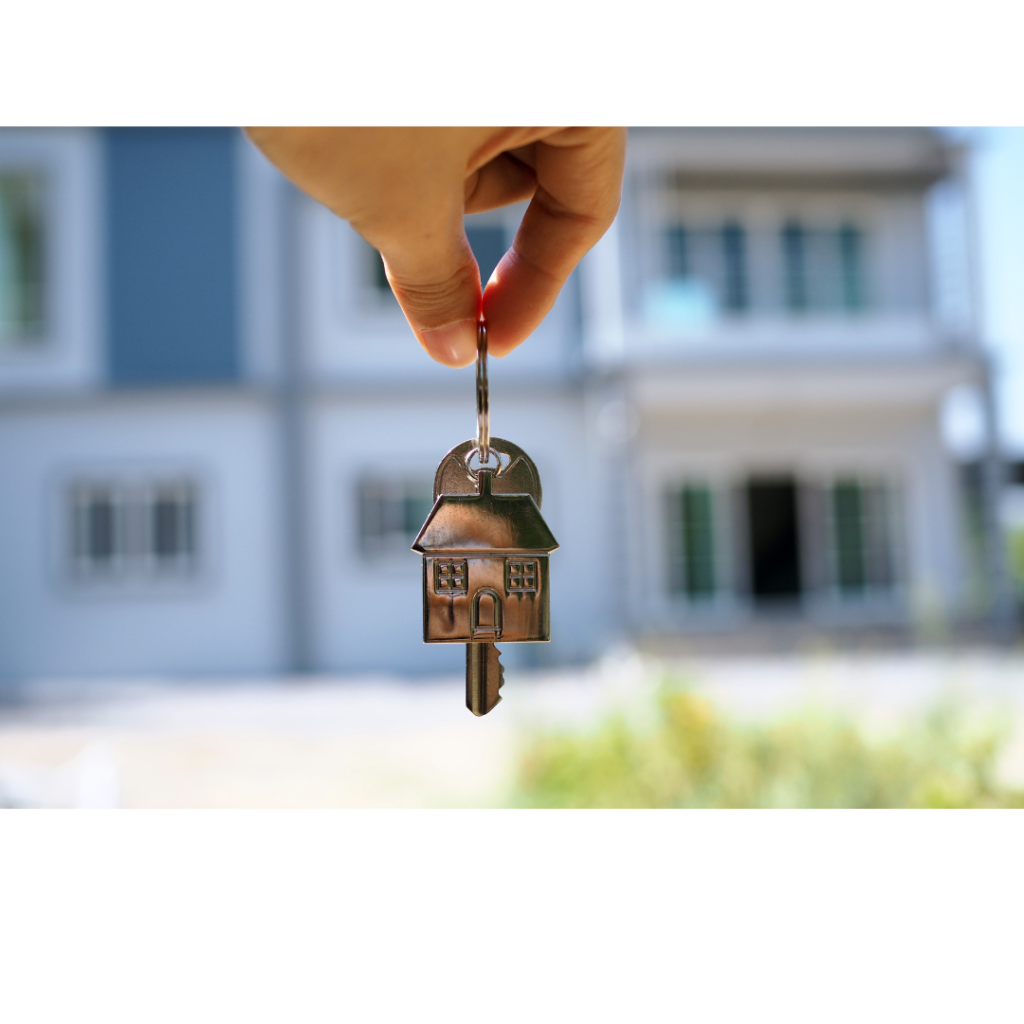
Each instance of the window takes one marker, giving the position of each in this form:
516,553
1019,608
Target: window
376,287
488,242
712,260
171,515
822,269
97,526
734,254
861,536
22,273
521,577
450,575
380,275
132,529
715,257
794,255
391,513
850,257
677,252
691,541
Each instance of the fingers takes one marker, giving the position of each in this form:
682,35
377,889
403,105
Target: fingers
432,269
435,278
502,182
579,184
405,190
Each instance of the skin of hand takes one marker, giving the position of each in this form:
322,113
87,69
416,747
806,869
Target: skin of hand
406,190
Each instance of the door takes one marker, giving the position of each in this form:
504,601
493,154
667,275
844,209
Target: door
485,620
774,539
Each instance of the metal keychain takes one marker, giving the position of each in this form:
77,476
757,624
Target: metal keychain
485,550
483,397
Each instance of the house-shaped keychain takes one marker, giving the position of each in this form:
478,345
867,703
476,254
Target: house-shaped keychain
485,568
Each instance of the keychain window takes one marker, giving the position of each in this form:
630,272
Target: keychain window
450,576
521,576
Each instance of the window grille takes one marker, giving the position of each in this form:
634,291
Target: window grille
391,513
691,527
450,576
521,577
22,262
123,529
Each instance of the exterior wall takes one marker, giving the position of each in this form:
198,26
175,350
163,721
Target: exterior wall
172,275
262,202
226,617
254,351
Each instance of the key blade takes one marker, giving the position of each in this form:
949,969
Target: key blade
485,676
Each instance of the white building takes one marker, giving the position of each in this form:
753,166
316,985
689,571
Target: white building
217,434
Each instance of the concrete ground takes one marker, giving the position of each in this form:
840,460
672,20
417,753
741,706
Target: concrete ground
387,742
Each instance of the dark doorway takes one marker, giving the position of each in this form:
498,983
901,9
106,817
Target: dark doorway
774,544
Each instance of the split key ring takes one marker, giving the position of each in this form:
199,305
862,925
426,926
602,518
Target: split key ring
483,401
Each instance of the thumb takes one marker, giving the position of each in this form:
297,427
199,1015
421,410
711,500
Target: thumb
435,278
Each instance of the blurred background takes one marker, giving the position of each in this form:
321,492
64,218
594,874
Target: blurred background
778,413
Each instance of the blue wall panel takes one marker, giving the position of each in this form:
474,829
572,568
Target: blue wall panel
172,263
488,244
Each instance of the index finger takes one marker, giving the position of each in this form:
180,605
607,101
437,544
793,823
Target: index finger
579,186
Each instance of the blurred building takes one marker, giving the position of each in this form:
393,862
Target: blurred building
217,435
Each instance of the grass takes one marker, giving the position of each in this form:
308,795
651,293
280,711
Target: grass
688,754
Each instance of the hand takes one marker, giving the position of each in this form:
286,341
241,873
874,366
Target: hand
405,190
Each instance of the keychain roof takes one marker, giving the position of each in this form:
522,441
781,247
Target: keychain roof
485,521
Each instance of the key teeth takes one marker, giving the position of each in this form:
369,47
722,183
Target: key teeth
485,676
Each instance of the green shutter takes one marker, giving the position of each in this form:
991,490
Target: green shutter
850,248
698,541
848,514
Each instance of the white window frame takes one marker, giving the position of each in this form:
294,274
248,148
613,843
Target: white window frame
869,593
648,576
393,546
137,572
68,354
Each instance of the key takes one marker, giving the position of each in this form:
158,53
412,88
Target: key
485,676
485,549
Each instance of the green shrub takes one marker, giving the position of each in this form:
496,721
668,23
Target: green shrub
1016,541
692,756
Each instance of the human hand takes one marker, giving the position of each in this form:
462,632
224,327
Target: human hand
405,190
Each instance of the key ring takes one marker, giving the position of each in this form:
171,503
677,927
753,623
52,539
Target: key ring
483,401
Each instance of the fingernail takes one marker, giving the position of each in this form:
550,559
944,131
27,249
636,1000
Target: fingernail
454,345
